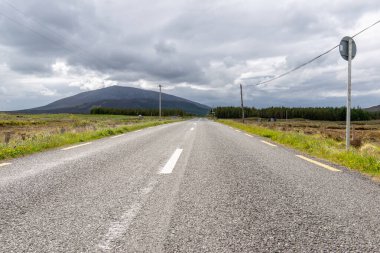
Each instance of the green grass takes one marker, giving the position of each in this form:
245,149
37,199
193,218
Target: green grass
44,141
316,145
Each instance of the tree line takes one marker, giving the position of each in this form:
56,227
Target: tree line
138,111
311,113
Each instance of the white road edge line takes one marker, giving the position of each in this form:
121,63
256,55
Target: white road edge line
138,130
4,164
76,146
268,143
319,164
169,166
117,136
249,135
237,130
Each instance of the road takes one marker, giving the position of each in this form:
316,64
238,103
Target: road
193,186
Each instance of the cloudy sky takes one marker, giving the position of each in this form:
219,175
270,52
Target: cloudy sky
197,49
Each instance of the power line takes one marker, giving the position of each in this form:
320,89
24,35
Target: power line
50,30
310,61
365,29
298,67
77,49
35,32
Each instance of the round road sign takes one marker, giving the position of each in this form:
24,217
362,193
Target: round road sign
343,48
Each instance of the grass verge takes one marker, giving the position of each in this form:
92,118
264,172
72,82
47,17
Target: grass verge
44,142
317,146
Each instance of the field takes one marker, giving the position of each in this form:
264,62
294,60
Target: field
323,139
365,135
24,134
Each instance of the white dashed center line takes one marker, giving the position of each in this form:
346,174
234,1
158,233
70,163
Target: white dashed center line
77,146
169,166
268,143
191,129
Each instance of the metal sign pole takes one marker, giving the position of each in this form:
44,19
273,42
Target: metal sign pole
348,117
347,49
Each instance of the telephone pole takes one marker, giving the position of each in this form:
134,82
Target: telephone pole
242,104
159,103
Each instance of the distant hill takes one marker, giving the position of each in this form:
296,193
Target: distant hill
119,97
373,109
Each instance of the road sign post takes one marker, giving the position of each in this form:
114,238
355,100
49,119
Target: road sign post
347,49
348,111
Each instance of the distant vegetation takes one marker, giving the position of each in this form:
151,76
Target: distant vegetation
311,113
135,112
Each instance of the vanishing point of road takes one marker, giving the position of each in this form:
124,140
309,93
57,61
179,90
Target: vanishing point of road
192,186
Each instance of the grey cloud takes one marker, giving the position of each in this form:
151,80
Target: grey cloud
205,43
28,65
165,48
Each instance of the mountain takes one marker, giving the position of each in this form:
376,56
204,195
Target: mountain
373,109
119,97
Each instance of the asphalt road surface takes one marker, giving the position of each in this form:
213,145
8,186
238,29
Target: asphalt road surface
193,186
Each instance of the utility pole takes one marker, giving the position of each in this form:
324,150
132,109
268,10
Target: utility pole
159,103
348,109
242,104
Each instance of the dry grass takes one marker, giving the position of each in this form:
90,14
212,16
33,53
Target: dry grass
19,128
362,132
26,134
